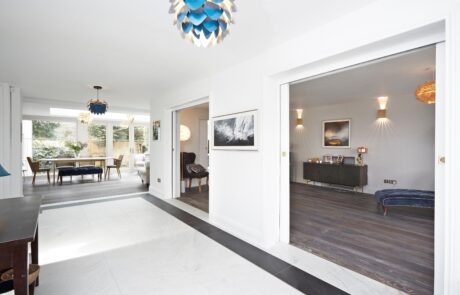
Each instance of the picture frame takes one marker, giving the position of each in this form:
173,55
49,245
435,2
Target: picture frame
156,130
337,134
238,131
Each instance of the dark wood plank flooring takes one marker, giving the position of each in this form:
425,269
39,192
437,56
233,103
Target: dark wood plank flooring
196,199
84,189
349,229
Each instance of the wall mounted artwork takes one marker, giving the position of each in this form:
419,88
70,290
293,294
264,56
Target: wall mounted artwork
156,128
336,133
235,131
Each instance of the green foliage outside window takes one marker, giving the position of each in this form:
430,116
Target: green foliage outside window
44,129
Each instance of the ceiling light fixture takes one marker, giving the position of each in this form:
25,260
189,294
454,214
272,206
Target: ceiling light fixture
203,22
96,105
84,117
426,92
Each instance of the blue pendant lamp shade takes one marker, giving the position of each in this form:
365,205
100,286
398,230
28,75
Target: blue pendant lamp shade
3,172
96,105
203,22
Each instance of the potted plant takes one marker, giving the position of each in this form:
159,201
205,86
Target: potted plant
76,147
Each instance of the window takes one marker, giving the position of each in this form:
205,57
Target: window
49,138
121,143
97,140
141,137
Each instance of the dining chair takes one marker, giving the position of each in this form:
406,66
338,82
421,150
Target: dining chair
35,167
116,165
7,276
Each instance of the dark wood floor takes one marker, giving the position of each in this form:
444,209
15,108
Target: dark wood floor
349,229
83,190
196,199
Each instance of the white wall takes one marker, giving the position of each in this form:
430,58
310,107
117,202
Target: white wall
244,192
401,149
10,141
245,185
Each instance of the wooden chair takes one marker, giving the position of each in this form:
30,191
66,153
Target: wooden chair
35,167
6,279
189,158
116,165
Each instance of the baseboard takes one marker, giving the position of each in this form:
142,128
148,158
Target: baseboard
155,192
244,233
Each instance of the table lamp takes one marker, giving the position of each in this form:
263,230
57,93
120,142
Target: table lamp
361,151
3,172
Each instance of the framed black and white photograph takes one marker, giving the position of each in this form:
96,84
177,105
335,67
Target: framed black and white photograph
235,131
156,128
336,133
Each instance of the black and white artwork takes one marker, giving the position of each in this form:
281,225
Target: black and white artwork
236,131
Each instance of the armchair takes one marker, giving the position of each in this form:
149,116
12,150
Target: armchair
189,159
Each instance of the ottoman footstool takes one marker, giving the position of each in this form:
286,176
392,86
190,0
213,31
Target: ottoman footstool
404,197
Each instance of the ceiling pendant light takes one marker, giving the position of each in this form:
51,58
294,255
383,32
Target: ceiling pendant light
203,22
426,92
96,105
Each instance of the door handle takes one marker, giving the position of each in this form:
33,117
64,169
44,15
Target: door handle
442,160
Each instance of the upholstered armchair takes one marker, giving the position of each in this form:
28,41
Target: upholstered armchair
187,161
142,165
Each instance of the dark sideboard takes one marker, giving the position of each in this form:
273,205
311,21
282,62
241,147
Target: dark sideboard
347,175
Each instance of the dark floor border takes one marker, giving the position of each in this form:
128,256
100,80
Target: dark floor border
286,272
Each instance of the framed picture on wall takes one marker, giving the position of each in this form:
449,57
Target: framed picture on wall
235,131
337,133
156,128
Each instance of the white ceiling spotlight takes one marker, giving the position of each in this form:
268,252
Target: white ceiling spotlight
203,22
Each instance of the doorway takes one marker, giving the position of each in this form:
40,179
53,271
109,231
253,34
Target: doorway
192,154
308,133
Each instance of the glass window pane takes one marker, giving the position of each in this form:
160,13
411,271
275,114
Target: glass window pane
121,143
49,138
97,140
140,139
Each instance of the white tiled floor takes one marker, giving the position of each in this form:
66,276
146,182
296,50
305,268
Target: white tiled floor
131,247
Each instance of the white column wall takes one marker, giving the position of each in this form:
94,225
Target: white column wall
10,136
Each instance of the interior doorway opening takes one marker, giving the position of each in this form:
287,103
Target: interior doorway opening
192,154
353,133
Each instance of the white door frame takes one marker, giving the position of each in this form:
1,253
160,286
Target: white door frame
350,59
175,143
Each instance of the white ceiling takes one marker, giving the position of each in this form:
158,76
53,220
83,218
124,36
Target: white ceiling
399,74
58,49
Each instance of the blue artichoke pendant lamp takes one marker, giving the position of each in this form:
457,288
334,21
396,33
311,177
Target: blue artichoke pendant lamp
203,22
96,105
3,172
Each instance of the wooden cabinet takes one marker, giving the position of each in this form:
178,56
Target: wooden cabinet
346,175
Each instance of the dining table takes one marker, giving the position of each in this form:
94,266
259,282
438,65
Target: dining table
56,161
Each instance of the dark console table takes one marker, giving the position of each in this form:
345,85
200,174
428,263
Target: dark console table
346,175
18,228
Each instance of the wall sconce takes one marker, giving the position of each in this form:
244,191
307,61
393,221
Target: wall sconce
299,119
185,133
361,151
382,111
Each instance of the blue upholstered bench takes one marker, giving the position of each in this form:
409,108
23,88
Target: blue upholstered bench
404,197
75,171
